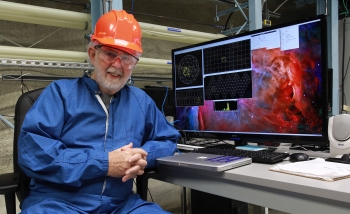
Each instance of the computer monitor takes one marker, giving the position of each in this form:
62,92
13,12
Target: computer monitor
267,85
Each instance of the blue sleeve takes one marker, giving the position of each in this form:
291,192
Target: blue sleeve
43,156
162,136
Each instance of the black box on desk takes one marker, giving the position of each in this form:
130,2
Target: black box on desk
202,202
163,97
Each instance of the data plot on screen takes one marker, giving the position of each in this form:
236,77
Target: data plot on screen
189,69
189,97
227,57
228,86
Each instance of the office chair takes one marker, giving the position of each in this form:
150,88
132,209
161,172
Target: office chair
17,183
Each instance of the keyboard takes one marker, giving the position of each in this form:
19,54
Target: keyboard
262,156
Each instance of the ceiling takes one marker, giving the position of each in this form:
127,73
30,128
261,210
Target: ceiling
195,15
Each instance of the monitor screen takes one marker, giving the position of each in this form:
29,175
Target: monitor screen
267,85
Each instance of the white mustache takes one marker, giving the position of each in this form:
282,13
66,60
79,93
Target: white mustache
114,72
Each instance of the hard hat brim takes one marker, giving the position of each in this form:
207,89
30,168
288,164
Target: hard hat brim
117,43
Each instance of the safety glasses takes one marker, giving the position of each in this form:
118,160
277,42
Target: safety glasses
110,55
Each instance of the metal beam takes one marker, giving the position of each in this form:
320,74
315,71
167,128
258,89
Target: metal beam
333,53
233,9
236,30
255,14
14,77
45,64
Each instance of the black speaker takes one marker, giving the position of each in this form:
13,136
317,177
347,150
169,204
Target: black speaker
339,134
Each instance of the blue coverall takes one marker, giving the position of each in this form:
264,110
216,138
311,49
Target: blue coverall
64,145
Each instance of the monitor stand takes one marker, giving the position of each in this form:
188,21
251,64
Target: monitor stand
240,142
314,148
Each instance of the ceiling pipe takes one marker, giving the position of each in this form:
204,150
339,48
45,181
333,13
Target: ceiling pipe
41,54
61,18
44,12
16,17
68,56
183,35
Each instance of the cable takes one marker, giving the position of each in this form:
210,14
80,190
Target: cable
110,5
103,6
23,85
147,191
6,115
280,6
346,8
132,7
343,80
46,37
183,134
228,20
11,41
166,95
175,122
69,2
150,194
342,72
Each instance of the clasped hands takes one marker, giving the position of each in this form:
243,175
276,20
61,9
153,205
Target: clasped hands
126,162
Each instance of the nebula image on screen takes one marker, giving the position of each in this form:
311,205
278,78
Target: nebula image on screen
286,89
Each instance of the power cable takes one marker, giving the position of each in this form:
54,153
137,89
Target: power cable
304,3
343,71
165,97
280,6
10,41
46,37
68,2
132,7
228,20
147,191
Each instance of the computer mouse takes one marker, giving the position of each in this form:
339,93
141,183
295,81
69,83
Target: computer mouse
295,157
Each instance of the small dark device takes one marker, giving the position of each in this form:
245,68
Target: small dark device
345,157
295,157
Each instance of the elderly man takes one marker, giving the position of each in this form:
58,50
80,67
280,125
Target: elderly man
84,140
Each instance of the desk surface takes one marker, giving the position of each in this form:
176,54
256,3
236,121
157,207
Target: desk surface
256,184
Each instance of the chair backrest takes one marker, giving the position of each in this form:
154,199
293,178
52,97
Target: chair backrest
24,103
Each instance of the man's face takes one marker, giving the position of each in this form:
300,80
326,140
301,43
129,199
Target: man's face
112,68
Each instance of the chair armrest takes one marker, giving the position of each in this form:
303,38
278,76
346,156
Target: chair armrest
9,183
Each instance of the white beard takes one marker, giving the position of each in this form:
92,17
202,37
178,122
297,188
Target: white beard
109,84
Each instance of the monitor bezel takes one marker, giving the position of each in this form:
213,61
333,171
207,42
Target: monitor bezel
250,137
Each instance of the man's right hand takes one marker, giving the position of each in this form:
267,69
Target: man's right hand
126,162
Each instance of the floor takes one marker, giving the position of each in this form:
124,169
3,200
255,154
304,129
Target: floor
252,209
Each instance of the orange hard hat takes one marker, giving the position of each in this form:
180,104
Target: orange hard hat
118,29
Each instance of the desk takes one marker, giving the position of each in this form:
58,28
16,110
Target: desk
255,184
